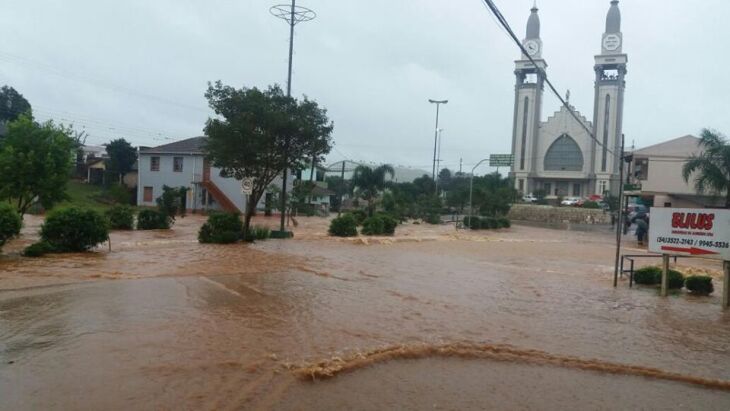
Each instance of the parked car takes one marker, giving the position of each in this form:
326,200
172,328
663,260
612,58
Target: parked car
529,198
570,201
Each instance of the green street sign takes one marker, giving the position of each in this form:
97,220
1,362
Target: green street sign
501,160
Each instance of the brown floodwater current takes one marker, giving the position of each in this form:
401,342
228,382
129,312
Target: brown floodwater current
524,318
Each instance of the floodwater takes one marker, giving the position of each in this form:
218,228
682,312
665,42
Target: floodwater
524,318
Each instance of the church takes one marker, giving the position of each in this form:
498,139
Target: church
559,155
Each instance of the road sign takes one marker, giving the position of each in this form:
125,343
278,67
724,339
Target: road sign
247,186
501,160
697,232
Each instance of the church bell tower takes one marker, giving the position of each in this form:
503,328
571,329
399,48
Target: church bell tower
528,107
608,111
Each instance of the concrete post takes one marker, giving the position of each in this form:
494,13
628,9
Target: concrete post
726,286
665,275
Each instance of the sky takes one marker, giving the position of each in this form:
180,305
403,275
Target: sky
138,69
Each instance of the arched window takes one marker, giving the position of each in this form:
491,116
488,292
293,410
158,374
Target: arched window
564,155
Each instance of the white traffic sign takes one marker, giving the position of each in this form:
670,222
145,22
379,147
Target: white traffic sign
698,232
247,186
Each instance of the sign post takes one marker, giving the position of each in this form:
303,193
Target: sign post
665,275
692,232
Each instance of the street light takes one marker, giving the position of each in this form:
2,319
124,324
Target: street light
436,133
292,14
471,189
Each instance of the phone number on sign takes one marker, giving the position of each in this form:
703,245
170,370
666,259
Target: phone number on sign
713,244
674,240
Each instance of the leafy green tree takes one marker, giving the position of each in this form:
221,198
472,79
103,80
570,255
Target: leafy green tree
254,129
172,202
121,156
370,182
10,223
340,187
711,168
13,105
35,163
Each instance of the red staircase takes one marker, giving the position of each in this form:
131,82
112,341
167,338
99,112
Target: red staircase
218,195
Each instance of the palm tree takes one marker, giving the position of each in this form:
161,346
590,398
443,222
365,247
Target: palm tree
369,182
711,167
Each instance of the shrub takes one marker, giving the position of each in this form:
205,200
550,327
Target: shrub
503,222
489,223
699,284
359,215
221,228
281,234
675,279
260,233
591,205
10,223
38,249
74,229
472,222
152,220
121,217
389,223
344,226
433,218
648,275
373,226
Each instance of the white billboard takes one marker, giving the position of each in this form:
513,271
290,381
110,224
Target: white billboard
698,232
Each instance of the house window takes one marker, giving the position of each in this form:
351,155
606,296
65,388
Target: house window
576,190
177,164
148,194
155,164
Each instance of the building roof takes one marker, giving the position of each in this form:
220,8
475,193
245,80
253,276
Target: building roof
681,147
188,146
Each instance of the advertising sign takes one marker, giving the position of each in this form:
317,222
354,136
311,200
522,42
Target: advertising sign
501,160
698,232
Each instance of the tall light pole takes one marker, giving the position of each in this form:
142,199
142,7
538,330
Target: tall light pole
471,188
293,15
438,158
436,133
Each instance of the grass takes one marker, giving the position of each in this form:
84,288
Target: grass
86,196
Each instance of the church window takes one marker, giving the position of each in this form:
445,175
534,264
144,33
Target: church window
524,133
604,157
564,155
602,187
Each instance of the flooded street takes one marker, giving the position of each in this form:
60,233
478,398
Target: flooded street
524,318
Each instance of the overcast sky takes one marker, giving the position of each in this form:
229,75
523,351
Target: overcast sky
138,68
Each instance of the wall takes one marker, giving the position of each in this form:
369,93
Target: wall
156,179
549,214
665,176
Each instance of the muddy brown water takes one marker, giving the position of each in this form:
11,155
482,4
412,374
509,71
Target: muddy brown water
162,322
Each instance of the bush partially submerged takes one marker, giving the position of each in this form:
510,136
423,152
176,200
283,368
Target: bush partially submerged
152,220
344,226
38,249
121,217
699,284
486,223
10,223
221,228
74,229
359,216
373,226
389,223
653,276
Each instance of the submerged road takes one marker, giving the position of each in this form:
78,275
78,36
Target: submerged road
212,338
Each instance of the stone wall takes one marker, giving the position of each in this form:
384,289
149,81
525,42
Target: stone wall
550,214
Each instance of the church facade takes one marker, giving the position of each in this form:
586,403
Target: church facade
568,155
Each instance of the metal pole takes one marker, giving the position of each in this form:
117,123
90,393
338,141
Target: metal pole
620,225
665,275
342,177
726,286
435,141
292,22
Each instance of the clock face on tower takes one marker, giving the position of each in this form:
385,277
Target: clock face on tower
612,42
532,47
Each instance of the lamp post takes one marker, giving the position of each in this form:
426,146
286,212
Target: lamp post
436,133
471,188
293,15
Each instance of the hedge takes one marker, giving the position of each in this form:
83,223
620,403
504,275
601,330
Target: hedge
653,276
344,226
74,229
699,284
152,220
221,228
121,217
373,226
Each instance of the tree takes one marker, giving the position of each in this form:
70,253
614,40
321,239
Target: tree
12,105
369,182
121,156
35,163
254,129
340,187
711,168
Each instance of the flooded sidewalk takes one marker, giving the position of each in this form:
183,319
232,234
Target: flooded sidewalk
163,322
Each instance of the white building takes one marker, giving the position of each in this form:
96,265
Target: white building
183,164
558,155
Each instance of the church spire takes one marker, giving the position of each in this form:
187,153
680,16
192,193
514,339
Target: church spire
613,20
533,24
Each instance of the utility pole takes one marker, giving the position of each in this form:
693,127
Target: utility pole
619,226
461,163
293,15
436,133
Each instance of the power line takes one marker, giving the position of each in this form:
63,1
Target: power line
505,24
